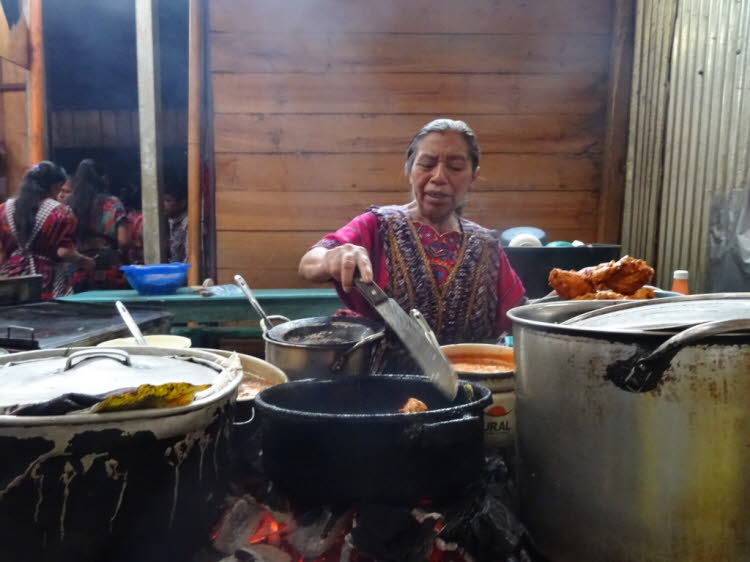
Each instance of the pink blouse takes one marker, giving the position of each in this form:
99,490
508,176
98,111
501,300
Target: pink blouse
442,253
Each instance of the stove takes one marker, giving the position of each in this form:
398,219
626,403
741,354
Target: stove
257,523
48,324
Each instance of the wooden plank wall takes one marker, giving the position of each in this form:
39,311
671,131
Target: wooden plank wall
108,128
314,102
13,126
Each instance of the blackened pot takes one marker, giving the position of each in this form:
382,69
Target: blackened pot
343,441
122,486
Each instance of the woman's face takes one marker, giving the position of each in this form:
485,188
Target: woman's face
441,174
65,192
55,189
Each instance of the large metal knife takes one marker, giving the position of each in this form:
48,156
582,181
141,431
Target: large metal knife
416,335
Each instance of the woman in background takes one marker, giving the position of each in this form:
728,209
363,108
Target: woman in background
37,232
103,228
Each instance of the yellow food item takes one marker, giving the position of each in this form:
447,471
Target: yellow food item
146,396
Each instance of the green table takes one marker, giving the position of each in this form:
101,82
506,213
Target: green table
227,304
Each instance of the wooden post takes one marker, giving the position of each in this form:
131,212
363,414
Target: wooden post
36,83
618,114
149,109
195,79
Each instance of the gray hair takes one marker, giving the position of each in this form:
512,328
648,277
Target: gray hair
441,126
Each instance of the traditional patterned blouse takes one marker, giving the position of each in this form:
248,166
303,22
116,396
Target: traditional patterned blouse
55,228
463,265
100,242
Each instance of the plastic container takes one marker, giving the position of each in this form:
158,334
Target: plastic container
680,282
156,279
500,415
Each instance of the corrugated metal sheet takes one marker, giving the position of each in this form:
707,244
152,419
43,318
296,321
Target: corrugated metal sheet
690,128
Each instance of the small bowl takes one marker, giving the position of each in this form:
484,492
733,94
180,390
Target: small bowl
156,340
156,279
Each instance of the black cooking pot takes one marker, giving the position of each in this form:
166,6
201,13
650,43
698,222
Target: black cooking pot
343,441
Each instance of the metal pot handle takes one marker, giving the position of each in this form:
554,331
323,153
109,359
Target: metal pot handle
110,353
427,434
338,364
245,422
644,373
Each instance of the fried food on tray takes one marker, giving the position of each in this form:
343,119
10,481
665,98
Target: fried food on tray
569,284
600,295
413,406
625,275
614,280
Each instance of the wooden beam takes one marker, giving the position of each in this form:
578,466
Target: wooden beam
149,107
15,87
195,79
612,193
36,83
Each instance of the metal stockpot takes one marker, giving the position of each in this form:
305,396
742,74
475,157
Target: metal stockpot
118,486
321,347
634,445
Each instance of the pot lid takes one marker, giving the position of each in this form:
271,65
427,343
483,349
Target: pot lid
96,371
669,314
323,331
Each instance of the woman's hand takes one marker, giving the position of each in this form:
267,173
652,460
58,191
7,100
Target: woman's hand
340,263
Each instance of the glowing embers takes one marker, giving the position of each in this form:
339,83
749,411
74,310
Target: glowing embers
252,531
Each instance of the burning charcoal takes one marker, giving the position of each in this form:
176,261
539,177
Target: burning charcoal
238,525
317,531
392,534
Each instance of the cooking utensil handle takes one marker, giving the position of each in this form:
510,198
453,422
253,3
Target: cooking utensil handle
110,353
130,323
370,291
251,297
276,318
338,364
699,332
425,326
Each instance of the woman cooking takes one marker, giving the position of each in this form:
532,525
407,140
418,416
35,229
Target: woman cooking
424,254
37,232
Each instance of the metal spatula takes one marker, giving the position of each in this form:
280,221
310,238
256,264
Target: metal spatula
416,335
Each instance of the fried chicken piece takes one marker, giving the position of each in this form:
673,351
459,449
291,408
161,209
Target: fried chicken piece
569,284
413,406
625,275
600,296
642,294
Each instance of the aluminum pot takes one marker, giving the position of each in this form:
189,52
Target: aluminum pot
118,486
321,347
634,445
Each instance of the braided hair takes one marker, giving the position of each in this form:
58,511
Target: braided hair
36,186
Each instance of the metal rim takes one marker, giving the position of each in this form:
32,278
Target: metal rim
269,335
221,394
516,315
485,397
